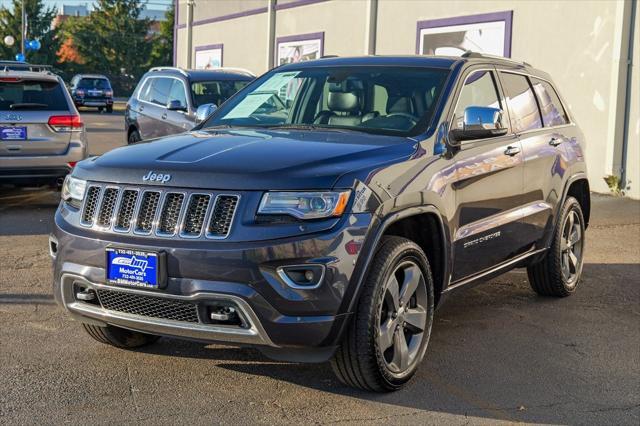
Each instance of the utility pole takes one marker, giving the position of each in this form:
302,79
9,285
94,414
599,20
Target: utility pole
24,28
190,4
271,33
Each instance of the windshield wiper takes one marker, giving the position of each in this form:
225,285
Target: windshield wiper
294,127
27,105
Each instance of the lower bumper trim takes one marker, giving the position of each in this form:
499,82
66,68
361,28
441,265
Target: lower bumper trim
252,334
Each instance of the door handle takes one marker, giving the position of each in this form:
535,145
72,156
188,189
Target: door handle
555,141
164,116
141,108
512,150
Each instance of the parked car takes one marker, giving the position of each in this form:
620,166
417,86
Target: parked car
41,133
92,90
166,99
325,210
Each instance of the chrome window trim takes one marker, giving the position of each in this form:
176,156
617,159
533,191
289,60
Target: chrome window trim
184,88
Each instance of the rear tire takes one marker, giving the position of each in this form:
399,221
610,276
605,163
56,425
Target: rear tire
134,137
558,273
100,109
388,336
110,109
119,337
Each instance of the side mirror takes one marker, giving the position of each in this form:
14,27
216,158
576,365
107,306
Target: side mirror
478,123
176,105
204,111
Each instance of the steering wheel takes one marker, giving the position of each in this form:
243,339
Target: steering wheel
409,117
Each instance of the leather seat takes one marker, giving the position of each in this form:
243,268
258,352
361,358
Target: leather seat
400,104
345,106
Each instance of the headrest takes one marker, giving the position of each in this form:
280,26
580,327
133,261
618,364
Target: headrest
343,101
345,86
397,104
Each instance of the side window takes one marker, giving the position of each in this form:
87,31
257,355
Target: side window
522,102
553,114
145,90
479,90
177,92
159,91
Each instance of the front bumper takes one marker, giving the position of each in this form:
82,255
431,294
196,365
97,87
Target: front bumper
276,315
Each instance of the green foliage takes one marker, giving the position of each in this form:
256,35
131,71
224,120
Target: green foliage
162,51
39,27
615,184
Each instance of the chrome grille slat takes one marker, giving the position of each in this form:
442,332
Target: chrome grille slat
195,215
107,206
157,211
170,214
126,210
223,212
147,212
92,199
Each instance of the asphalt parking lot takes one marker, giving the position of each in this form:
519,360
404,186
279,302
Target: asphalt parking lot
498,352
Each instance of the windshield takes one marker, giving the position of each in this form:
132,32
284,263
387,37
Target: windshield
371,99
94,83
215,92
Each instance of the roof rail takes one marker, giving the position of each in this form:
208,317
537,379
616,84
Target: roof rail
244,70
180,70
471,54
23,66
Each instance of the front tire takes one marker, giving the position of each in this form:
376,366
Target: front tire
134,137
119,337
389,334
558,273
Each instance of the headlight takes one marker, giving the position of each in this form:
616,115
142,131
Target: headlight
305,205
73,190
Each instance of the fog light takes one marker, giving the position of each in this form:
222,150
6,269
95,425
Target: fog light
304,277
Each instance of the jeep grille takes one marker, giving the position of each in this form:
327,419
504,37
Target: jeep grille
163,212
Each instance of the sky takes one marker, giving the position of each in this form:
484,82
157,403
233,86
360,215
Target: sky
151,4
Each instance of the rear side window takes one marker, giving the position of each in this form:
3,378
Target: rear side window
32,95
94,83
522,102
553,114
215,92
479,90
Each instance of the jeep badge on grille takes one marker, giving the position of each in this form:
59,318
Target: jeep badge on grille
157,177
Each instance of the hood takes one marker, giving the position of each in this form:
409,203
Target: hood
247,159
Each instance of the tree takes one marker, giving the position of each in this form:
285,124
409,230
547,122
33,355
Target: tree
39,27
162,51
113,40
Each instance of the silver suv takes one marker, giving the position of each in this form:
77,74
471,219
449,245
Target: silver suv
42,136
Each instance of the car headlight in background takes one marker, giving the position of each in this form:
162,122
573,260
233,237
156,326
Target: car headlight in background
73,190
305,205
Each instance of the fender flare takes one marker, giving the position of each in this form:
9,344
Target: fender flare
372,242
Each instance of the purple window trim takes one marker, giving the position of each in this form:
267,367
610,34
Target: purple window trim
249,12
176,12
209,47
506,16
299,37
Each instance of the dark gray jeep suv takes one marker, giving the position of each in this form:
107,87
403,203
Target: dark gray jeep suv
324,211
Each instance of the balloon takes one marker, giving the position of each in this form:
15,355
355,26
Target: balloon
20,57
33,45
9,40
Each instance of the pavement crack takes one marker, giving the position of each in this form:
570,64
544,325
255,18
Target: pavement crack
132,390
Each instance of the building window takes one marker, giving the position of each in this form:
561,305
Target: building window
487,33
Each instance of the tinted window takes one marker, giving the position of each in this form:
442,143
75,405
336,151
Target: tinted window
214,92
94,83
32,95
373,99
523,108
553,114
177,92
479,90
159,90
